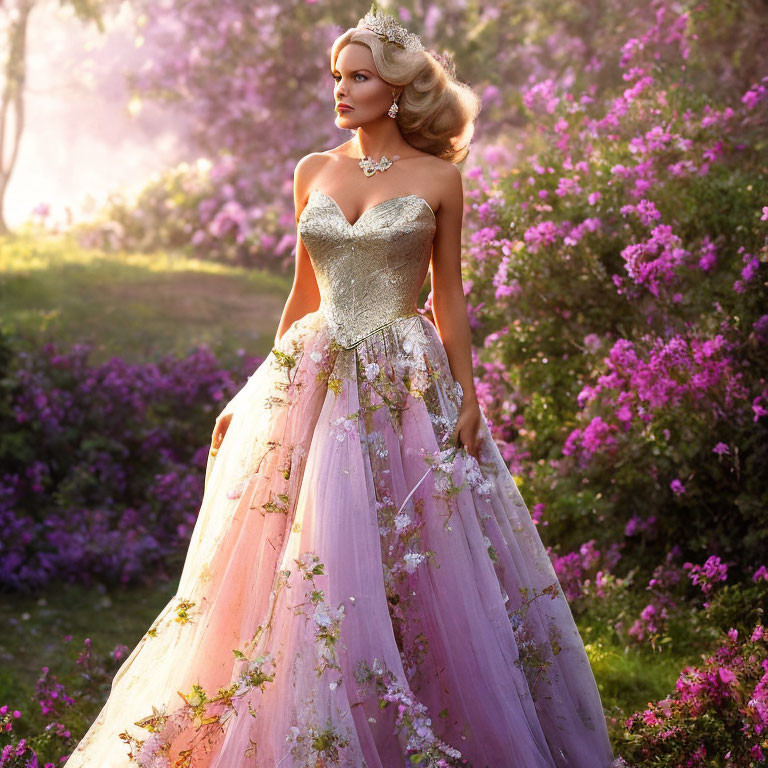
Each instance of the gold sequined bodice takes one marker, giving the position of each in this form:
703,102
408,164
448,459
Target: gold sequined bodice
369,273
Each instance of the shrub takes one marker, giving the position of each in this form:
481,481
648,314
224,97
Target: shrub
717,715
616,287
103,465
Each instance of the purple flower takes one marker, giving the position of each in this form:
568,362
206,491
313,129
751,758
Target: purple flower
707,575
707,254
677,487
750,269
761,328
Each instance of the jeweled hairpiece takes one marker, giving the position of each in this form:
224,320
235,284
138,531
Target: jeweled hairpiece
386,26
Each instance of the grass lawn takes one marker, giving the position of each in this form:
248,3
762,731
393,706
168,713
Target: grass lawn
630,678
137,306
35,627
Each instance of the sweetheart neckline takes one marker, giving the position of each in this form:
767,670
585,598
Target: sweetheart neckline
367,210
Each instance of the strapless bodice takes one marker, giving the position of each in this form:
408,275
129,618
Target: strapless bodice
369,273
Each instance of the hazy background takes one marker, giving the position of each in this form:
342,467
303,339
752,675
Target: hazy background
82,136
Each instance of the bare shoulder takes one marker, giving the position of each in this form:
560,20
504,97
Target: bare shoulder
329,155
309,165
448,173
306,171
447,179
441,180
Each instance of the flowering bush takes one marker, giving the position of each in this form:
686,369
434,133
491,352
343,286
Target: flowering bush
615,281
579,570
717,715
201,209
246,81
103,466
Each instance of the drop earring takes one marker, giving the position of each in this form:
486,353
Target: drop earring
394,108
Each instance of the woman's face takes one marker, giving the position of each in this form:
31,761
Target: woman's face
358,84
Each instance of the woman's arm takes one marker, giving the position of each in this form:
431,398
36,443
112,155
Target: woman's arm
449,305
304,296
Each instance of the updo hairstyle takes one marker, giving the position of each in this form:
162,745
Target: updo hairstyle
436,111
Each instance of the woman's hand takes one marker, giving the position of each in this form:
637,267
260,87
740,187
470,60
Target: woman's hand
222,424
467,430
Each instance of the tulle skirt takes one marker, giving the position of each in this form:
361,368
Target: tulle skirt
357,590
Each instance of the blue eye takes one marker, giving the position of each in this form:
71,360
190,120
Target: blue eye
357,74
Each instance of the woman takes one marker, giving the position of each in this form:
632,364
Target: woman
364,583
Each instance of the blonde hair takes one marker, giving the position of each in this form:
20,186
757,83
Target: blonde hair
436,111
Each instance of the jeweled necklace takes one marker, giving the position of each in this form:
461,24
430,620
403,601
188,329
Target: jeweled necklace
370,167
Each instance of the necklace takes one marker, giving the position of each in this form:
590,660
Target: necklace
370,167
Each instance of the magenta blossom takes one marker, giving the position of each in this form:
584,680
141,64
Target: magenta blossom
677,487
707,575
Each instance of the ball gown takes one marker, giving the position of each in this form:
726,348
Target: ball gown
357,591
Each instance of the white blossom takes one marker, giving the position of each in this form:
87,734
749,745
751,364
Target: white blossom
342,427
412,560
402,521
322,619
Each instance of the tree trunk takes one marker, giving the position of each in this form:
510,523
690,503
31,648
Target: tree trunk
12,104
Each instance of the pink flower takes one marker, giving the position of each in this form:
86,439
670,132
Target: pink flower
120,651
708,254
750,269
537,510
592,342
650,718
760,573
706,575
677,487
726,675
757,406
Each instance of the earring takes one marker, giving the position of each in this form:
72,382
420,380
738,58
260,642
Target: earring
394,108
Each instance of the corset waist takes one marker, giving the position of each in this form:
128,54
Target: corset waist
349,335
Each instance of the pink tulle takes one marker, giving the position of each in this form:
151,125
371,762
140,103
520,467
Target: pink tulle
357,590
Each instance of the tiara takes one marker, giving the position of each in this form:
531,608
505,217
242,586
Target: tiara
385,26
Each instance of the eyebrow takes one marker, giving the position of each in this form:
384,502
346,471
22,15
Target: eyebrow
355,71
